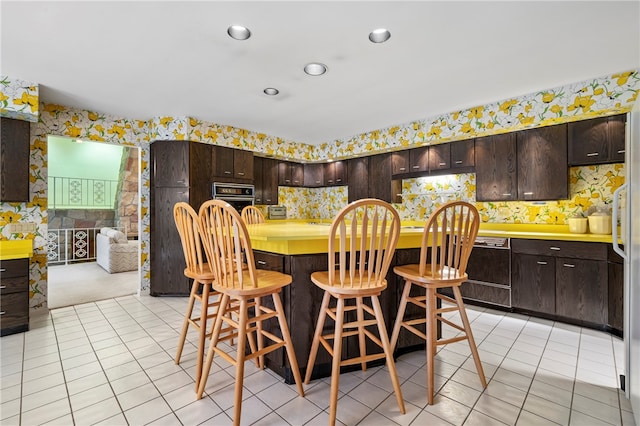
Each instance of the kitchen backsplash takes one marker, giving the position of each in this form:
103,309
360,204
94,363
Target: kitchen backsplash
589,187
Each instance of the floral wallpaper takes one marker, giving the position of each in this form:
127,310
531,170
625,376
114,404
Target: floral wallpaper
601,96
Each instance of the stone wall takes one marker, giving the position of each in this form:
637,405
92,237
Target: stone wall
81,218
127,199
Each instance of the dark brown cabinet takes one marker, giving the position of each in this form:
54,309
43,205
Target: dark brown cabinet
14,160
380,183
542,163
358,178
180,171
463,154
410,161
290,174
314,175
496,168
615,270
14,296
597,141
335,173
230,163
265,180
567,279
440,157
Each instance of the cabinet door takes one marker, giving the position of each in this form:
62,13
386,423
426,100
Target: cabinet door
223,158
419,159
617,135
284,173
616,296
533,283
314,175
243,164
170,163
380,177
496,168
340,172
329,174
400,162
297,174
167,258
440,157
258,181
597,141
270,181
463,154
358,171
269,261
14,160
542,163
581,289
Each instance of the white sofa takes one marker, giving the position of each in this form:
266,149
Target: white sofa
114,252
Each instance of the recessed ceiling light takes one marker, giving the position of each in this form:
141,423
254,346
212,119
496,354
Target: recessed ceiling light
315,68
379,36
271,91
238,32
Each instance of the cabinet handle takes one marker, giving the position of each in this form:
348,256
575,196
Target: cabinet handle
621,151
1,312
338,180
183,192
2,269
528,193
180,181
227,172
402,169
317,181
593,154
569,265
261,262
539,262
241,173
416,167
330,181
506,194
288,180
459,162
554,248
442,164
268,200
3,287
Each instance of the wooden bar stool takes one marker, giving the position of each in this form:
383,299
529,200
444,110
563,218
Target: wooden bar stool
251,215
447,241
367,231
198,270
225,238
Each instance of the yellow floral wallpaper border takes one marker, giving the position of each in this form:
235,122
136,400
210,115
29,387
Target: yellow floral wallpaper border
19,99
601,96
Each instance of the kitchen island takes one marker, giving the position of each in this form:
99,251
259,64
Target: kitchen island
299,248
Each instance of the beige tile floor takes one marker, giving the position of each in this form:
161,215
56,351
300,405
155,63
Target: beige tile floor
111,362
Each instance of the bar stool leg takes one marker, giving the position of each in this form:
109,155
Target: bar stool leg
431,342
185,323
242,341
335,367
316,336
361,337
470,339
400,316
224,302
291,353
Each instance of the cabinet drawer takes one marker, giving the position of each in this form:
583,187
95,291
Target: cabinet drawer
14,310
13,285
269,261
14,268
573,249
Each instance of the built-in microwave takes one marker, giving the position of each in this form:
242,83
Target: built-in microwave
239,195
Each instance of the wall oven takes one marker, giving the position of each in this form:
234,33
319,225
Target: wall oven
237,194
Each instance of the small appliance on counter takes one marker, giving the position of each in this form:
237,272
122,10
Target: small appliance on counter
277,212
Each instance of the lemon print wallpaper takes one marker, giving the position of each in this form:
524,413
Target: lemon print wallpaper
590,186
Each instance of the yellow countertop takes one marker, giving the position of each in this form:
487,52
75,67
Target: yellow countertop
15,249
293,237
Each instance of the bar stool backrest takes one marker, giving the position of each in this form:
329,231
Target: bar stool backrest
251,215
187,223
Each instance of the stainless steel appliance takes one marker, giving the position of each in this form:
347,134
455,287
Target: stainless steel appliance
277,212
237,194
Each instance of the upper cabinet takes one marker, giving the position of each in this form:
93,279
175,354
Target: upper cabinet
180,164
463,154
410,161
232,163
358,177
542,163
440,157
314,175
14,160
335,173
265,172
496,168
597,141
290,174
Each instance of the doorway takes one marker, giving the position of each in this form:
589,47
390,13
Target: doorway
93,188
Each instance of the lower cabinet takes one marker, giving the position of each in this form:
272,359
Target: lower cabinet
565,279
14,296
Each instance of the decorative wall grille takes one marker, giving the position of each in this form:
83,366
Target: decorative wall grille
65,192
72,245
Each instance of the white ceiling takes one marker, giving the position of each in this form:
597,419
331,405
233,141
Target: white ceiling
155,58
